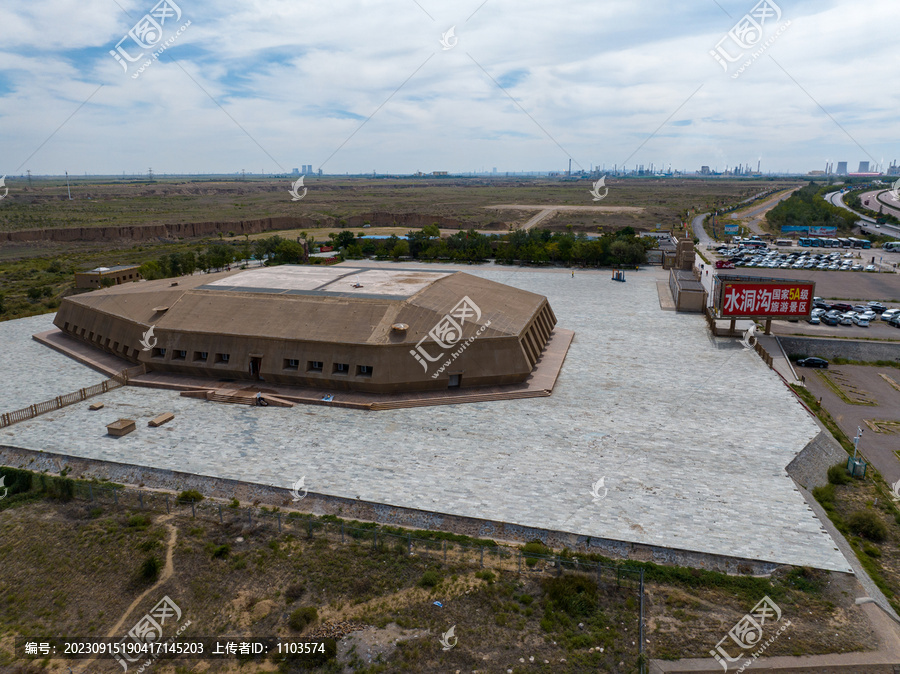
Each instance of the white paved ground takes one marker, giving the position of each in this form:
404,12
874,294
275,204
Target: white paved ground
691,433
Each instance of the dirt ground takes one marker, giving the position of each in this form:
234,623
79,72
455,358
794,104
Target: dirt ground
72,569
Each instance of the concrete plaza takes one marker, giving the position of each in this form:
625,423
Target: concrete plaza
691,434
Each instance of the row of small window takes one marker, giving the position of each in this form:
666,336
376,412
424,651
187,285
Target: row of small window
289,363
199,356
336,368
99,340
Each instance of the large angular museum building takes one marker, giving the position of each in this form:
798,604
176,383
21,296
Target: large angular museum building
335,327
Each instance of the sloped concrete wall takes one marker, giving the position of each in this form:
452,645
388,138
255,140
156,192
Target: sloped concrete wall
810,467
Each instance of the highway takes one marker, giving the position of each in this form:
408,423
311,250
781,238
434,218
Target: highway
866,224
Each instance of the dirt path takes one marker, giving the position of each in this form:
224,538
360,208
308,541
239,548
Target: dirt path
546,212
167,572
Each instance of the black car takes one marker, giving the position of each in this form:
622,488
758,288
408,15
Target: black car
828,319
821,305
895,321
812,362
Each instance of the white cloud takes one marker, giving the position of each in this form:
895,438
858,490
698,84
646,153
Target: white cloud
599,78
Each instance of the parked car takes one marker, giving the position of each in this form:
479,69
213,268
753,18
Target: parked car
842,306
724,264
861,321
870,267
812,362
888,314
829,320
847,319
895,321
877,307
813,320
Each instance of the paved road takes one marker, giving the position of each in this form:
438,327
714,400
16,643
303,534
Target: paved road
882,198
866,224
699,232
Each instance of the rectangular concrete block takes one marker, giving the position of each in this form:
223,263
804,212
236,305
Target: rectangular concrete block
120,427
96,406
161,419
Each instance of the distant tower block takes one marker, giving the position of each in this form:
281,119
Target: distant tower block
842,168
863,167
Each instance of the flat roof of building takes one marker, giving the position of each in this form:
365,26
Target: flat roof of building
119,267
338,280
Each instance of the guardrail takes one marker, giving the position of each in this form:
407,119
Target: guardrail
116,381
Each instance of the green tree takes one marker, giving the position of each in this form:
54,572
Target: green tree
400,250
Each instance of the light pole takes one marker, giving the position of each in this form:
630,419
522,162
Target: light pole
859,433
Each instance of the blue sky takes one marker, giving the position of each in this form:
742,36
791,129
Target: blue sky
359,86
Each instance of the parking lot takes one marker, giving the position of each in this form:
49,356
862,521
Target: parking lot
831,283
875,407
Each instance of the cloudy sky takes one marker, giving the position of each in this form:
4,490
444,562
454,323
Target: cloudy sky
360,86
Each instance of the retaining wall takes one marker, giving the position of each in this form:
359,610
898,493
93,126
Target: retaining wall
841,348
323,504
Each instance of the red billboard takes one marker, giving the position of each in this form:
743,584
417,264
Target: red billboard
784,299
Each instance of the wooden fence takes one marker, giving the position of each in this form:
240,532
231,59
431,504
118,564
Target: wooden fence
117,380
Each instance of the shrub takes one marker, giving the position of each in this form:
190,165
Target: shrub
871,550
825,496
487,576
574,595
293,592
536,548
806,579
15,480
868,524
190,495
429,579
149,570
61,488
838,474
303,616
221,551
139,521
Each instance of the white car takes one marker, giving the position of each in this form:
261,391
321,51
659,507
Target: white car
861,322
870,267
847,319
888,314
